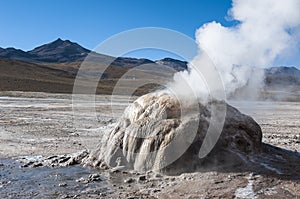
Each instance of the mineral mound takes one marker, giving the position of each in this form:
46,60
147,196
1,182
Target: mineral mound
154,134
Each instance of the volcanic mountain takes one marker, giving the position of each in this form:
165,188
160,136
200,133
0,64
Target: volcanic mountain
59,51
65,51
38,69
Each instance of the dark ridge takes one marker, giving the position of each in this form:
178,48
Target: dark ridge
174,63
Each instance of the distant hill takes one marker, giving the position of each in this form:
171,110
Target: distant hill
174,63
56,51
53,67
65,51
24,76
280,84
282,76
16,54
59,51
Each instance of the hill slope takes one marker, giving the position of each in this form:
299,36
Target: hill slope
282,76
53,67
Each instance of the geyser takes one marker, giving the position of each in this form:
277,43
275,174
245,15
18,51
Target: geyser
153,134
264,33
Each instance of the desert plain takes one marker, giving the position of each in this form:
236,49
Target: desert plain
39,125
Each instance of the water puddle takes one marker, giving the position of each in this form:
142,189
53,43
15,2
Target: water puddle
246,192
46,182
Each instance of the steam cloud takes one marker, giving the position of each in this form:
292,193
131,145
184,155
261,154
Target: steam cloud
265,30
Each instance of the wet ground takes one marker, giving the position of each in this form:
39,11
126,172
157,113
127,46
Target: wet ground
45,182
38,125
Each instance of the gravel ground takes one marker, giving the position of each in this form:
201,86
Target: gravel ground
280,121
39,125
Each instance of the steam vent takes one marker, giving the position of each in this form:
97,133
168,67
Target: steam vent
153,134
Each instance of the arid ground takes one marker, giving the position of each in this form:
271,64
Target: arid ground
40,124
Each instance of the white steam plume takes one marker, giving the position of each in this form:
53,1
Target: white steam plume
265,30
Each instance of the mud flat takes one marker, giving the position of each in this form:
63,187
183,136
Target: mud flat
38,125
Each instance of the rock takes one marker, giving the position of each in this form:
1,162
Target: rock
218,182
158,175
129,180
91,178
55,161
27,164
115,170
94,177
80,180
62,185
83,180
39,164
148,173
142,178
153,130
172,179
131,197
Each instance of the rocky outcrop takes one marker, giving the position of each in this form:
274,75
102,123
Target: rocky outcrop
153,134
174,63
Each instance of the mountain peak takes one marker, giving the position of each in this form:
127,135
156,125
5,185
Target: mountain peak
60,51
60,41
57,43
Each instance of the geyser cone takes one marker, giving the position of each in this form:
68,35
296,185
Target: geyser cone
155,134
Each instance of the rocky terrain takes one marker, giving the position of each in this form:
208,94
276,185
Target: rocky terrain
43,149
37,132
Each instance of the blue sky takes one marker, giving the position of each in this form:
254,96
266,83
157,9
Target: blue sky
28,24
